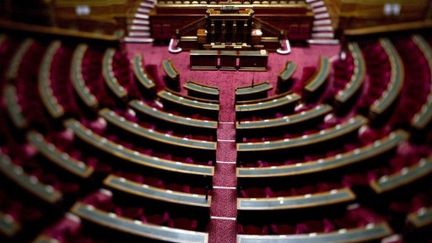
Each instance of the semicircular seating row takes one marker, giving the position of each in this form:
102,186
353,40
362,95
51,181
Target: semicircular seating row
94,142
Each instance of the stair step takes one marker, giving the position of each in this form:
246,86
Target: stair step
138,40
322,22
310,1
323,42
322,16
143,10
323,35
141,22
319,10
322,28
146,5
139,34
139,27
141,16
317,4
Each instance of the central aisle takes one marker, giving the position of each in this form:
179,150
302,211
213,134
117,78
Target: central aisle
223,209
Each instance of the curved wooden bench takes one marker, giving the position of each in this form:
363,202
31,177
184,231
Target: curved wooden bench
357,78
253,92
113,118
187,102
389,96
324,135
319,78
16,173
147,191
267,104
361,234
58,157
8,225
13,107
109,76
421,218
287,72
318,111
140,73
118,151
343,159
201,91
44,82
139,228
295,202
77,78
424,116
15,63
402,177
172,118
170,70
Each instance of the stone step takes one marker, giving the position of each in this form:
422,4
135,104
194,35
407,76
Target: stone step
138,40
319,28
140,22
322,22
139,34
323,42
325,35
139,27
319,10
322,16
317,4
141,16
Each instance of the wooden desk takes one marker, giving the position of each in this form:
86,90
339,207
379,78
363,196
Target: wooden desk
114,119
188,102
121,152
268,104
324,135
296,202
360,234
169,117
253,60
130,226
77,78
377,148
402,177
228,60
357,78
58,157
20,177
109,76
319,78
422,118
394,87
44,82
140,73
204,59
147,191
421,218
318,111
253,92
13,69
13,107
8,225
201,91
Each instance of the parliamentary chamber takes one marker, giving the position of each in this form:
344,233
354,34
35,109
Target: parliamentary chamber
244,121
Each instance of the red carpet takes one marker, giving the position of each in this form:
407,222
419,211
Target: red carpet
223,209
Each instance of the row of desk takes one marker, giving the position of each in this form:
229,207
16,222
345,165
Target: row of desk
424,116
78,82
44,82
328,134
123,153
394,87
358,76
